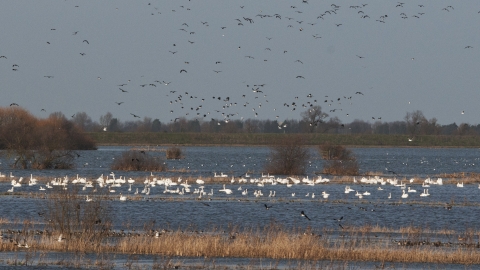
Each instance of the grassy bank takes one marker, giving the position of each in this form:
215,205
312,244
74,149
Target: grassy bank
367,140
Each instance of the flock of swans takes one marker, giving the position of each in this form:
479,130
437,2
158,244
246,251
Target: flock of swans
254,186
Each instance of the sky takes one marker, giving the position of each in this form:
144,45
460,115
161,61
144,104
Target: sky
264,59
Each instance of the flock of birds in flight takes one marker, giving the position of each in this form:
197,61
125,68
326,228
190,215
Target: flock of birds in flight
255,96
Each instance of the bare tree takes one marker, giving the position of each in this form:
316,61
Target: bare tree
83,121
414,121
105,119
314,117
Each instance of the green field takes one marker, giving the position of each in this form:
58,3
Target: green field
366,140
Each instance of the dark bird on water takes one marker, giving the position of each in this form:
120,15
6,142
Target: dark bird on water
268,207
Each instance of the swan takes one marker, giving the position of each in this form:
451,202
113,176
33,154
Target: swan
325,195
424,194
200,181
389,195
313,195
226,190
404,195
411,190
245,192
366,193
2,175
10,190
293,194
42,188
88,199
379,188
123,198
460,184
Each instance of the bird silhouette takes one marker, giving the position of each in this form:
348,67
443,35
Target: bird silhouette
304,215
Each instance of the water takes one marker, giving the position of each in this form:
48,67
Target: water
222,211
204,161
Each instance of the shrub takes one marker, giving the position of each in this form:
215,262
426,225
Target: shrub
174,153
40,143
288,156
138,161
339,160
82,223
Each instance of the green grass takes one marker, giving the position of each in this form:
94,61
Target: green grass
366,140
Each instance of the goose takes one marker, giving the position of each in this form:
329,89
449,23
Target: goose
411,190
404,195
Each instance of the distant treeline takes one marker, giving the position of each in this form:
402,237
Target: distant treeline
414,124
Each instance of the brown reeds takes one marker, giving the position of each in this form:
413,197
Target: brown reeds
274,242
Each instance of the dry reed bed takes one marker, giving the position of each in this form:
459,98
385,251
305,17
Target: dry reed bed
271,241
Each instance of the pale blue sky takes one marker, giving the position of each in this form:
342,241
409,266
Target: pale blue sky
407,63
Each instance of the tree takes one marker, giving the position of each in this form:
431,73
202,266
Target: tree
105,119
40,143
313,117
413,121
83,121
156,125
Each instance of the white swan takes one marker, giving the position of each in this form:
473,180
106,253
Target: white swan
460,184
411,190
123,198
325,195
10,190
200,181
404,195
366,193
389,195
88,199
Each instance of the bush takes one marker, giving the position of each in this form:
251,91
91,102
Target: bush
288,156
40,143
174,153
82,223
138,161
339,160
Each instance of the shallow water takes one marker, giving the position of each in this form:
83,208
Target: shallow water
221,211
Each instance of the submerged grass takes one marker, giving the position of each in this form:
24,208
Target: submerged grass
273,242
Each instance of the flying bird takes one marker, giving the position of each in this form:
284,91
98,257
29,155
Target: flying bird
86,41
124,91
134,115
303,215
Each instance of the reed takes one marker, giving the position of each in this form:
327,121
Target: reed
366,243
